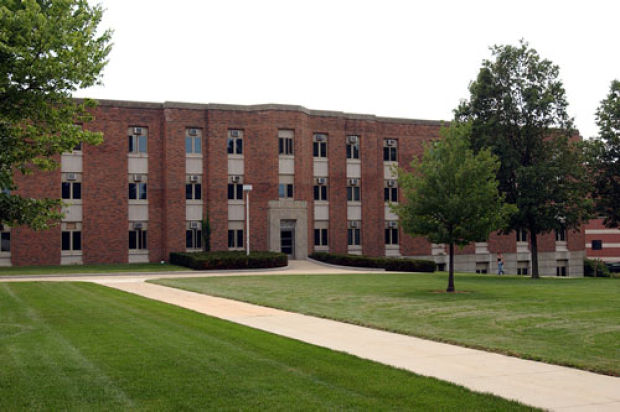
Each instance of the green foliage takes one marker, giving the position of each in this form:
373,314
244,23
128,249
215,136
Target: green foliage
48,49
228,260
604,157
206,232
518,108
595,268
389,264
451,194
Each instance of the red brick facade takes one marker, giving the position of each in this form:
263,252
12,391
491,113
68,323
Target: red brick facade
105,173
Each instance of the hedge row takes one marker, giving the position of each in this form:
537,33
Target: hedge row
229,260
389,264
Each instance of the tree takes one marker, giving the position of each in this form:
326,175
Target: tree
451,194
604,158
518,108
48,49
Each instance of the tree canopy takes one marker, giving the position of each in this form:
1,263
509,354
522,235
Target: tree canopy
451,194
605,157
48,49
518,108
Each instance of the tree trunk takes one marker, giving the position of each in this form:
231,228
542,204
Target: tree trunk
535,274
451,269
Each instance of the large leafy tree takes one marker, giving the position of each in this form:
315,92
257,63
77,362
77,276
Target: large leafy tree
518,108
451,194
48,49
605,157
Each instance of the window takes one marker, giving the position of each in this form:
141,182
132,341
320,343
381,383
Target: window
71,240
235,142
353,193
521,235
319,145
285,142
193,141
482,267
320,192
561,268
353,147
137,239
235,239
390,191
137,191
320,237
5,240
391,233
235,191
193,236
560,235
285,190
78,147
523,267
71,190
193,191
137,139
597,245
354,234
390,150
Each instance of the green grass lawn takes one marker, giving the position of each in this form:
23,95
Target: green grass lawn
574,322
80,346
70,269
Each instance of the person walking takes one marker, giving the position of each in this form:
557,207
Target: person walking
500,264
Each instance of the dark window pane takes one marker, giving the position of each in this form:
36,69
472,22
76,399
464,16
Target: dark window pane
386,154
132,190
239,238
78,147
197,145
317,237
239,146
357,236
394,194
239,192
231,238
66,190
387,236
324,237
143,246
197,191
131,144
66,240
231,191
356,152
349,236
386,194
289,143
349,147
188,191
132,239
349,193
188,239
395,236
231,146
315,149
188,145
199,239
323,149
77,240
281,146
142,144
5,242
143,191
289,191
77,190
324,192
316,192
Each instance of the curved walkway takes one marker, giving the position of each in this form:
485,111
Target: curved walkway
533,383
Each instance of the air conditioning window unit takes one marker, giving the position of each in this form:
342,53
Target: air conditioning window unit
235,179
391,183
234,133
392,224
194,225
137,131
354,225
321,180
390,142
320,137
354,181
352,139
193,132
193,178
137,178
71,177
138,225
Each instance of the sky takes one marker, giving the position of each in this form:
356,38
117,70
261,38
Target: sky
411,59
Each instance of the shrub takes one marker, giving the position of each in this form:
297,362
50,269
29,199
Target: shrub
228,260
389,264
595,268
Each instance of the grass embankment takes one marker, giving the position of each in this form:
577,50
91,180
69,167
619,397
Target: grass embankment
72,269
574,322
80,346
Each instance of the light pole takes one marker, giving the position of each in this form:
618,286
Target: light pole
247,189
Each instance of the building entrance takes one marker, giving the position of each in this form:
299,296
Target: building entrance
287,237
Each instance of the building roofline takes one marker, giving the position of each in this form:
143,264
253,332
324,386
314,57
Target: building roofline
264,107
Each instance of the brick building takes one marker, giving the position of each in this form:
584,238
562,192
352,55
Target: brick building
602,242
320,181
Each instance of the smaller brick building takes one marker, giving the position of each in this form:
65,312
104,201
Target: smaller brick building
321,181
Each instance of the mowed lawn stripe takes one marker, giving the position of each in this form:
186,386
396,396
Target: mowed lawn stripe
81,346
573,322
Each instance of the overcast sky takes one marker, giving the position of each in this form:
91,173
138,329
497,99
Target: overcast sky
390,58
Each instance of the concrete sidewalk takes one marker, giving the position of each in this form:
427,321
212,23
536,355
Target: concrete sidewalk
533,383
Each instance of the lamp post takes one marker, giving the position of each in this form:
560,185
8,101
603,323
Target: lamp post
247,189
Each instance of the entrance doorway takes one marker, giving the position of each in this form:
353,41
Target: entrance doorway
287,237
